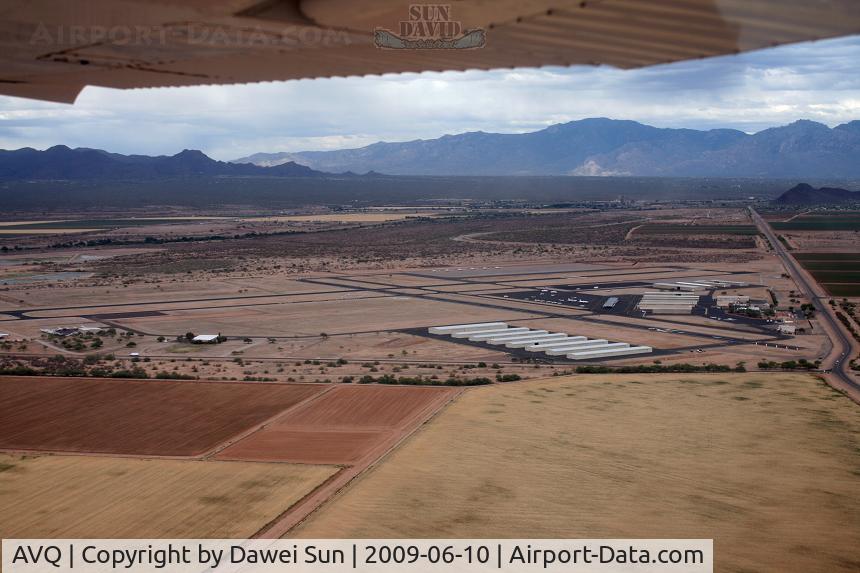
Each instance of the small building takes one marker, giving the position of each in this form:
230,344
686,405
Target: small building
676,286
787,328
668,303
462,327
724,301
61,331
205,339
4,335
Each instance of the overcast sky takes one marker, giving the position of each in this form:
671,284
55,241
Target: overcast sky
819,81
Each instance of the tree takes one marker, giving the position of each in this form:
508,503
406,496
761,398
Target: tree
189,336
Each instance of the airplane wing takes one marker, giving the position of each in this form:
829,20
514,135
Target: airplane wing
52,49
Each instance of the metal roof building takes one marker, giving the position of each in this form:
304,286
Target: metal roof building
205,338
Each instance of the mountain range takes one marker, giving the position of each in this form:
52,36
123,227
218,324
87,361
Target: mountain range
606,147
590,147
806,194
82,164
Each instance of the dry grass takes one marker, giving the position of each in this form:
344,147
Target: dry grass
345,217
89,497
51,231
340,314
17,223
765,465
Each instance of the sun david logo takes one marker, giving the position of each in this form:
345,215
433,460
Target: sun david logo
430,27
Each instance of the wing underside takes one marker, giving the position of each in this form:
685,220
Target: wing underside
52,49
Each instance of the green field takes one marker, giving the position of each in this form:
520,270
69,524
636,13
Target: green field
670,229
827,257
834,266
850,290
837,276
838,273
834,222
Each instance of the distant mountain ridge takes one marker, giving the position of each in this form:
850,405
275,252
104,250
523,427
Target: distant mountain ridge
606,147
83,164
805,194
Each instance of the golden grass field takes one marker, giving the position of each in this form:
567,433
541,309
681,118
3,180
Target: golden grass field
100,497
16,223
51,231
767,466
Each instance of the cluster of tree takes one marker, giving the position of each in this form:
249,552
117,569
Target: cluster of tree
103,241
108,372
658,368
164,375
808,309
70,367
416,381
848,324
83,340
802,364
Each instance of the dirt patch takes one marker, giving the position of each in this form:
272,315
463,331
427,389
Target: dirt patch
342,426
280,443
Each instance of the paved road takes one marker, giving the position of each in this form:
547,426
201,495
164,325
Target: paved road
840,355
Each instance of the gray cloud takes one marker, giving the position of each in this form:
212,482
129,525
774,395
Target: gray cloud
819,81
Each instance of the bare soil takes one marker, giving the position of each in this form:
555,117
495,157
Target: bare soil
166,418
342,426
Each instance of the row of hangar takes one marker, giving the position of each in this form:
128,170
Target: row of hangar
539,341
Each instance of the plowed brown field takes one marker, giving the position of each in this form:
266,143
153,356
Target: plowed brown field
165,418
344,426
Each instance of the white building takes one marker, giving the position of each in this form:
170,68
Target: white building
60,331
723,301
668,303
787,328
461,327
205,339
